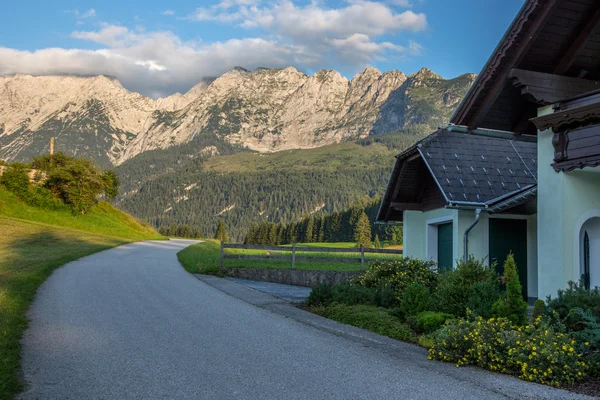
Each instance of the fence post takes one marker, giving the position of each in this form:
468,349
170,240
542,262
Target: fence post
362,257
222,253
294,256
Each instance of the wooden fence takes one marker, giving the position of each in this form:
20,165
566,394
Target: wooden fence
362,250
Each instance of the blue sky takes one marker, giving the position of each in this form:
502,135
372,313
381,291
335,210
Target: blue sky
159,47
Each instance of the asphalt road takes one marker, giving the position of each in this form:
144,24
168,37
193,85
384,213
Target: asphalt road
130,323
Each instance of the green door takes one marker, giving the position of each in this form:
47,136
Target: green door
509,235
445,247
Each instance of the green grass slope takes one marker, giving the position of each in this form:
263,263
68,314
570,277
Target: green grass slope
33,243
103,219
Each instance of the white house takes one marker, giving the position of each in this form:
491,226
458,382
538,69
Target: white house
515,170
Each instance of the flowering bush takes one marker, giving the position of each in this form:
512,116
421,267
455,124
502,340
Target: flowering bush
534,352
396,275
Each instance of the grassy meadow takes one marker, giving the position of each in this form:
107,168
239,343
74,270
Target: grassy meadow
203,258
34,242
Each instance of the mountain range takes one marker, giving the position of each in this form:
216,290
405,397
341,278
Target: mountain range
264,110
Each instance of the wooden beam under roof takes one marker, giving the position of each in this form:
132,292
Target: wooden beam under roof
578,44
545,88
406,206
515,57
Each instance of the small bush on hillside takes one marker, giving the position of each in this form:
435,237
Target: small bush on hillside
454,288
415,299
430,321
398,274
535,352
511,305
374,319
76,182
40,197
482,296
15,179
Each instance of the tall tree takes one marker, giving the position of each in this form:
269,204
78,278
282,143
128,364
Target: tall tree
309,233
221,234
362,231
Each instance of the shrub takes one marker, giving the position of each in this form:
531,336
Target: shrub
373,318
348,294
512,305
345,293
575,296
415,299
396,275
482,296
539,309
584,328
385,297
321,294
15,179
430,321
454,287
535,352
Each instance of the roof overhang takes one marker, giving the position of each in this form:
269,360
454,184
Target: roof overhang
551,52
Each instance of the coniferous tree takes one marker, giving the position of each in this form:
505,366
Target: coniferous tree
322,229
197,233
185,231
362,231
376,242
221,234
273,234
309,233
292,234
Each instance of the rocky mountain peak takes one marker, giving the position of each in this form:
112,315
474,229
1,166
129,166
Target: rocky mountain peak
263,109
425,73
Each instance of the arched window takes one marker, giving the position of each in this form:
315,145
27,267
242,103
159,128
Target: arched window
586,260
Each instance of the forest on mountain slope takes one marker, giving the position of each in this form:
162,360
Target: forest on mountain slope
245,188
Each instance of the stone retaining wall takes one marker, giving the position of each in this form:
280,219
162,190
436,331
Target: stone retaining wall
291,277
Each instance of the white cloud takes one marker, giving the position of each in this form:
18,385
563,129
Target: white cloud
155,64
82,15
168,12
402,3
158,63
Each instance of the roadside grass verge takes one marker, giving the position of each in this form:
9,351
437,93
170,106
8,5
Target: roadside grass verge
33,243
203,258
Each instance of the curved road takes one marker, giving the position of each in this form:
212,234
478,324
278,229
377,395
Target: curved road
130,323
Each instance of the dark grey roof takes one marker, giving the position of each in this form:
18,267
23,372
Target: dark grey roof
478,169
468,171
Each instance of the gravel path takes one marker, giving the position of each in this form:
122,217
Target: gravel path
130,323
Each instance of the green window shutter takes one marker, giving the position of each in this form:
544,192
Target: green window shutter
445,246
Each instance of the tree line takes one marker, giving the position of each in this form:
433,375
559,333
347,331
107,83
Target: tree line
355,224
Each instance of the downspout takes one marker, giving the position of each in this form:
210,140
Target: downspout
475,222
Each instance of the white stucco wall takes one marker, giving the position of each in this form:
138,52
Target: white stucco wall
565,202
419,243
416,236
